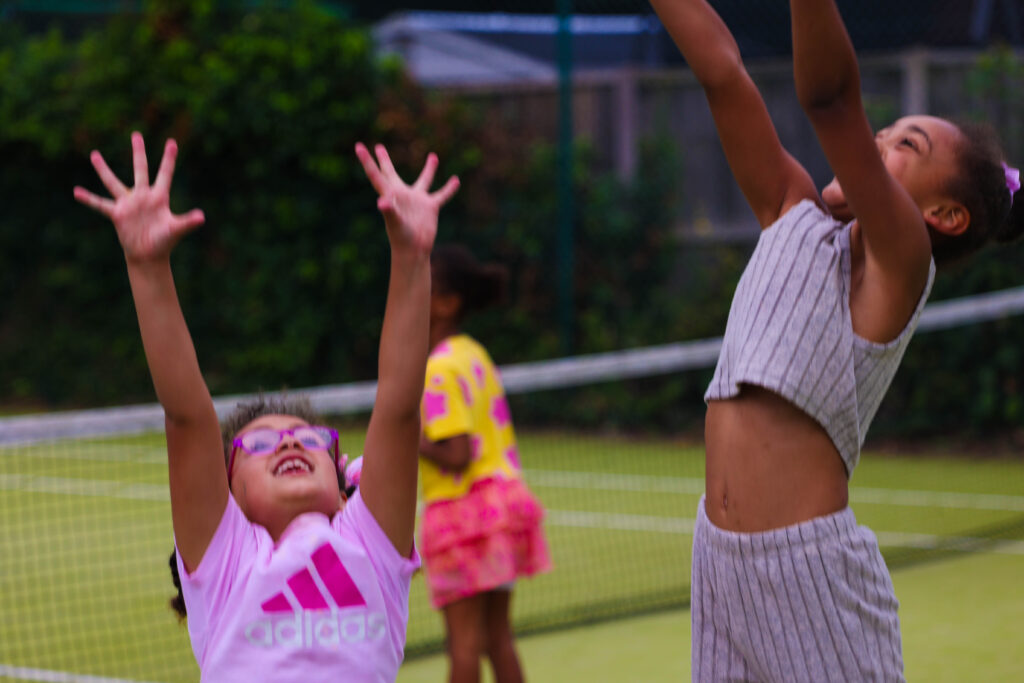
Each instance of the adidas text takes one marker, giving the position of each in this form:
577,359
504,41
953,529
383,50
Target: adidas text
317,629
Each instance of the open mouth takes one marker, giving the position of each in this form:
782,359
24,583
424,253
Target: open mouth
292,465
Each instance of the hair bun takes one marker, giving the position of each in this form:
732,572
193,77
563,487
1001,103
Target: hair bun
1013,227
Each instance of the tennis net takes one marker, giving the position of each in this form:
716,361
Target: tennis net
86,521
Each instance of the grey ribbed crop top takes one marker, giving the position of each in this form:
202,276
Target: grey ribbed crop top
790,331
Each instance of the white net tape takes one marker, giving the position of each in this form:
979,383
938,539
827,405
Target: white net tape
342,399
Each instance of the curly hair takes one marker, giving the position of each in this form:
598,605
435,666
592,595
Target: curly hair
979,182
246,412
478,285
243,414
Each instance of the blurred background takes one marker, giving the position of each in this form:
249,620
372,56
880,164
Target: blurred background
636,239
590,167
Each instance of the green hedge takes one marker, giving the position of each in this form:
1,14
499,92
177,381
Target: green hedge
285,283
968,380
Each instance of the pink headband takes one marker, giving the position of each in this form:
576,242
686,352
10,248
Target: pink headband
1012,180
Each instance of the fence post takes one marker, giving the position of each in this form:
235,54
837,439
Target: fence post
566,205
915,82
625,88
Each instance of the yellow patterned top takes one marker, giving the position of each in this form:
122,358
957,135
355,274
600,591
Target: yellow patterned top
464,395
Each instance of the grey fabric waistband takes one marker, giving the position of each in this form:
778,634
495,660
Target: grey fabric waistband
839,525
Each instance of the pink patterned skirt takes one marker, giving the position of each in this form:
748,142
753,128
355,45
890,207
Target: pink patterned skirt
485,539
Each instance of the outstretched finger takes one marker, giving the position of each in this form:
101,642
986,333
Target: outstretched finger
166,172
386,167
104,206
110,181
447,192
139,160
427,174
370,167
187,222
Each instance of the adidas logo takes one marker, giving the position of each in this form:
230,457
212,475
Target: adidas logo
303,586
306,614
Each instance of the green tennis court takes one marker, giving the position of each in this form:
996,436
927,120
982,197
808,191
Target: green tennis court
960,621
86,533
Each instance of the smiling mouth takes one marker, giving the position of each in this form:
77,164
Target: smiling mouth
292,466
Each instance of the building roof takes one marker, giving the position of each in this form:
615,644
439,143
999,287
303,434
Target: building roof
444,48
448,48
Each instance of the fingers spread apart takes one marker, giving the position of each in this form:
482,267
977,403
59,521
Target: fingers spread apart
189,221
447,191
166,172
427,174
139,161
104,206
383,176
110,181
370,167
386,167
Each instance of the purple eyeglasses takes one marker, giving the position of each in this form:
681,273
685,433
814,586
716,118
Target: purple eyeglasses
264,441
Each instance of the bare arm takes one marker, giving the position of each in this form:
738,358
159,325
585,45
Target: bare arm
771,180
896,242
388,483
454,453
148,232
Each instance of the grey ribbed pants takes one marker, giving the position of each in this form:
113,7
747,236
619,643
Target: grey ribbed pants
809,602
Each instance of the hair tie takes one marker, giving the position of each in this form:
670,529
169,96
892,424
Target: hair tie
353,471
1012,180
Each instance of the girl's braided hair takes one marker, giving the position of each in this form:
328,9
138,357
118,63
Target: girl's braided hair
979,181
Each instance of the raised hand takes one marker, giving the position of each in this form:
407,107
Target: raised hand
410,211
142,215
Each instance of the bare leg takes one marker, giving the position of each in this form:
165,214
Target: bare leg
464,620
501,647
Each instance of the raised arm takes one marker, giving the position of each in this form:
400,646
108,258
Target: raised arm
388,482
148,232
771,179
896,241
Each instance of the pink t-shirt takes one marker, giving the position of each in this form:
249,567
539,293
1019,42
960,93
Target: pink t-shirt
329,602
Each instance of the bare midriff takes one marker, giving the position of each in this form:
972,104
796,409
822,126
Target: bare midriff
769,464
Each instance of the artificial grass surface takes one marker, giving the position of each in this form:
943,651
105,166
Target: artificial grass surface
961,623
85,532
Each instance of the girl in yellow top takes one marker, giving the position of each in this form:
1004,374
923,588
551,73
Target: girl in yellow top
481,525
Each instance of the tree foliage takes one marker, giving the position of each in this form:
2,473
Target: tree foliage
285,284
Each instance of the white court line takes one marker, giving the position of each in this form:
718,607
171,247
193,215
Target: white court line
83,487
639,483
149,455
938,499
642,483
622,522
967,543
588,520
55,676
555,479
684,527
563,518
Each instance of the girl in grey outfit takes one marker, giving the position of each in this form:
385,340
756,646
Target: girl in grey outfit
786,586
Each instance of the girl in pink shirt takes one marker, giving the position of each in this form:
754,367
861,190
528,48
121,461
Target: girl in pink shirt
284,578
